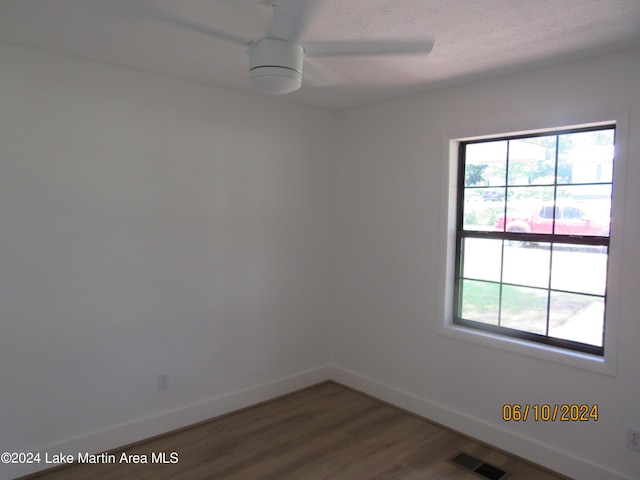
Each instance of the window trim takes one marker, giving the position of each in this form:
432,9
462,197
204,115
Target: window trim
606,364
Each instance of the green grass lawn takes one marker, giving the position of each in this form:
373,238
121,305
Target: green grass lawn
522,307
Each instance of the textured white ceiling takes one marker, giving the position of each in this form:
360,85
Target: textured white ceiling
474,38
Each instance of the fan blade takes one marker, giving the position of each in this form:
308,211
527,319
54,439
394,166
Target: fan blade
291,18
318,75
356,48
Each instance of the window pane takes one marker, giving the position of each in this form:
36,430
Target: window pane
577,317
525,211
586,210
532,161
479,214
480,301
579,268
527,266
586,157
524,309
486,164
482,259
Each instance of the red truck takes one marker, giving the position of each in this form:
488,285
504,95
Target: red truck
569,219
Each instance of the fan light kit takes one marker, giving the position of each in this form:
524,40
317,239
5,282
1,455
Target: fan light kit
276,59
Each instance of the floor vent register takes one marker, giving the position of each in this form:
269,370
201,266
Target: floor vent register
478,467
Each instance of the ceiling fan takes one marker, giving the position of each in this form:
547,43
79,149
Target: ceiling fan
276,60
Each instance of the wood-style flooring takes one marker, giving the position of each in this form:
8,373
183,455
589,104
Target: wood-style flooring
324,432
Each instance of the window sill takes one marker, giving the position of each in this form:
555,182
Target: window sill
593,363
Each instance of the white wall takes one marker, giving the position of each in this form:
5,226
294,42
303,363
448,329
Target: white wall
149,225
389,241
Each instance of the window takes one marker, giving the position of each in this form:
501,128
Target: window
532,236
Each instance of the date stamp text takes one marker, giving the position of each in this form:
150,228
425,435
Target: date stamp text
572,412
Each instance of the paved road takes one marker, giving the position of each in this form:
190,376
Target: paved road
580,270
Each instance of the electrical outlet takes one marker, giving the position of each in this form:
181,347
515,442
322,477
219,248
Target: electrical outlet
163,381
633,439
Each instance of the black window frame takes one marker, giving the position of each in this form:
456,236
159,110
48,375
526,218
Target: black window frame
551,238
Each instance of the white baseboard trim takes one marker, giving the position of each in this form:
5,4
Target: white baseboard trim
562,462
158,424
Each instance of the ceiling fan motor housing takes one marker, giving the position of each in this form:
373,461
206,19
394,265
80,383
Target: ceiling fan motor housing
275,66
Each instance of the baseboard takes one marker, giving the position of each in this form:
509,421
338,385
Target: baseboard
559,461
148,427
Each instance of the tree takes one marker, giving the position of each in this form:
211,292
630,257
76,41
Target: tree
474,175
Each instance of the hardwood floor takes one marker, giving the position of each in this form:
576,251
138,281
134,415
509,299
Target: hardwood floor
325,432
